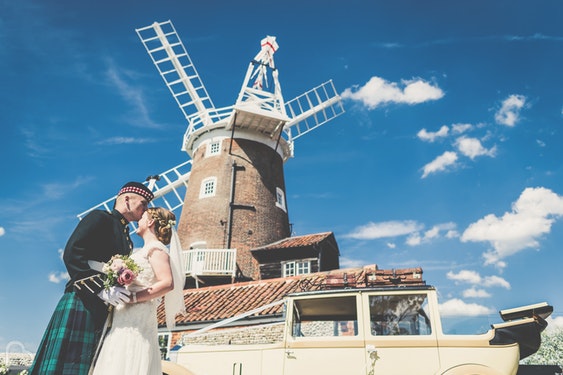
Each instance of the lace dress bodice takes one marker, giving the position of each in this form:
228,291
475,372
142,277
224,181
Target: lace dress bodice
146,277
131,347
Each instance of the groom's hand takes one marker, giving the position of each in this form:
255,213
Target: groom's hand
115,295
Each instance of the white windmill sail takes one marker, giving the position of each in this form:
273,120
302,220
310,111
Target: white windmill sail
260,105
169,189
176,68
312,109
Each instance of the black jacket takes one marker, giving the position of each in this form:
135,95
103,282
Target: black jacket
98,236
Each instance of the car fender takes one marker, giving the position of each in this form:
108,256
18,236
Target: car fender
471,369
171,368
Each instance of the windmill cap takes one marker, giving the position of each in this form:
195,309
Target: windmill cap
137,188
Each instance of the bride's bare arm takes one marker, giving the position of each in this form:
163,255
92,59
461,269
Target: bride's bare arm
160,262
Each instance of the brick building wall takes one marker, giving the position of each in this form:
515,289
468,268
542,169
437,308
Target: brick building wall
256,220
260,334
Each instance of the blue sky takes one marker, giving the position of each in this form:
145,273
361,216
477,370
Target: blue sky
448,157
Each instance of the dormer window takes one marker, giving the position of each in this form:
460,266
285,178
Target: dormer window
296,267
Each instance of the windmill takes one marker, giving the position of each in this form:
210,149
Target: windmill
235,198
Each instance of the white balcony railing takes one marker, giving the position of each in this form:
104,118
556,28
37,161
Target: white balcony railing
210,262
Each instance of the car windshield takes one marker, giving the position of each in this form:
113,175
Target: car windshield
403,314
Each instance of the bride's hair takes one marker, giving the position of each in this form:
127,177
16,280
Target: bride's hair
164,220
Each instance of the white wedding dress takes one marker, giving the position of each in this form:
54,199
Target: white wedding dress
131,346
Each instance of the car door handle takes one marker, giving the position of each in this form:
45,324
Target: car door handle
372,351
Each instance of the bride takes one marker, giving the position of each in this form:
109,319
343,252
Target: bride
131,345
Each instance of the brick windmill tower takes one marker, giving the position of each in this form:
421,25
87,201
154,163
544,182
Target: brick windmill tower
235,197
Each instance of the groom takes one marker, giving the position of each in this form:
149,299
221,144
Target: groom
71,338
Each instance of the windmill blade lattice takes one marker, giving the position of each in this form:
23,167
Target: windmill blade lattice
169,191
312,109
259,109
176,68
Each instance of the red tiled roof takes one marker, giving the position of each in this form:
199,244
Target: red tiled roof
297,241
206,305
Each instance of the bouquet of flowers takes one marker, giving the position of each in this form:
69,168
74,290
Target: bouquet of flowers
120,270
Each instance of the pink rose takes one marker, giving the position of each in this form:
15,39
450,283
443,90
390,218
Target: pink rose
126,277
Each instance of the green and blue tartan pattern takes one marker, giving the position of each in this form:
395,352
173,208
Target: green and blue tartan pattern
69,342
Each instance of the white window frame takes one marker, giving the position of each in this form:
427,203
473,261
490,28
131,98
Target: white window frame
208,187
280,199
198,263
213,148
296,267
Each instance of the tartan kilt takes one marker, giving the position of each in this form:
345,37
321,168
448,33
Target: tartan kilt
69,342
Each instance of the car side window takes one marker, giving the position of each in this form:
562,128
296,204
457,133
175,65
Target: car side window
325,317
403,314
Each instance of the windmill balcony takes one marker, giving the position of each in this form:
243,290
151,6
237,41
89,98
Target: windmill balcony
210,262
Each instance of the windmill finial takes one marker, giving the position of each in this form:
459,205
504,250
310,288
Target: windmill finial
152,180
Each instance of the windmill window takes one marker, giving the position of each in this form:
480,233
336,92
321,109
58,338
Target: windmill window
296,267
208,187
214,148
280,199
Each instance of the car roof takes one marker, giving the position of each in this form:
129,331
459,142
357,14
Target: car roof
401,288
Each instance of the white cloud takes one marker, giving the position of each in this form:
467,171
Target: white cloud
372,231
351,263
391,245
132,95
377,91
59,190
509,112
554,324
476,293
443,132
441,163
531,217
34,142
2,231
496,281
461,128
58,277
125,140
432,233
416,238
472,277
419,91
467,276
425,135
471,147
457,307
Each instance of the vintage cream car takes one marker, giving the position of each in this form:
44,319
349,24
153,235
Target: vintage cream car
371,331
